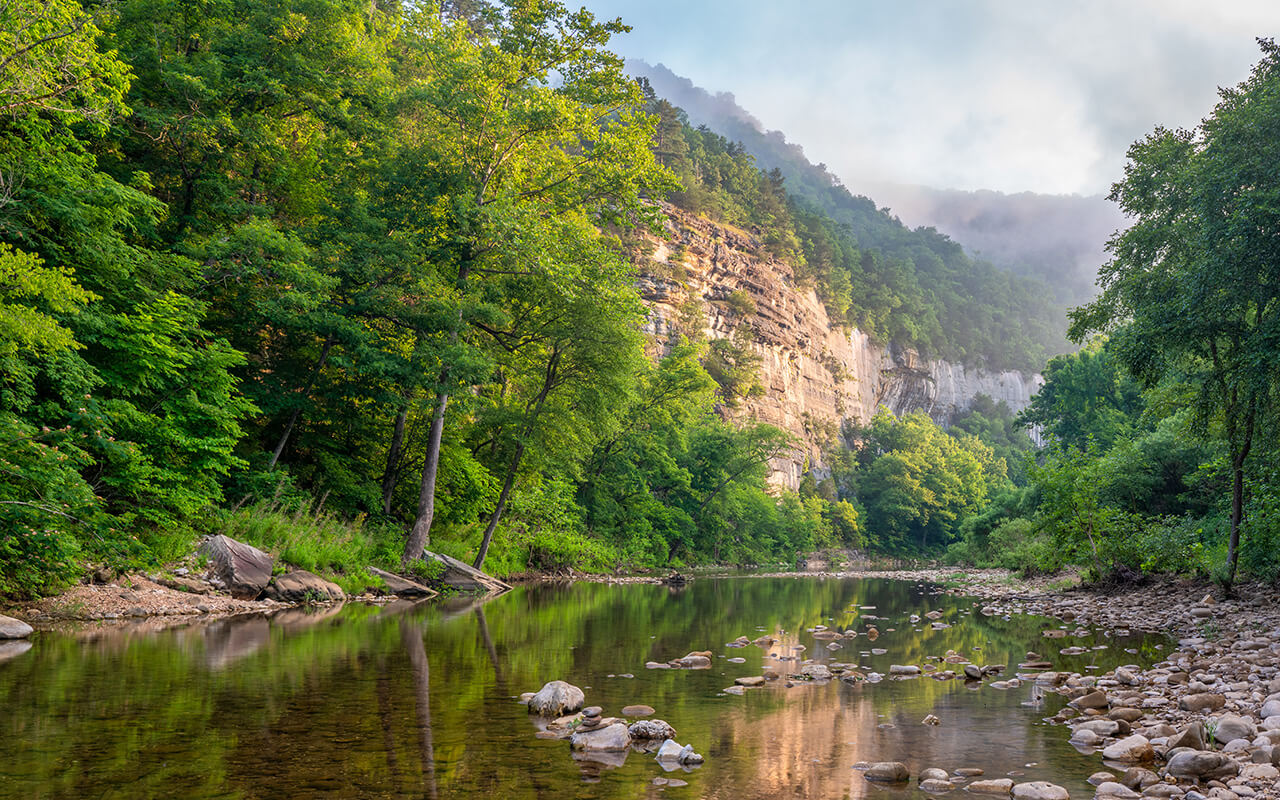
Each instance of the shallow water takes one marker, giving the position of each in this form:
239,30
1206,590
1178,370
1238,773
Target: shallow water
414,702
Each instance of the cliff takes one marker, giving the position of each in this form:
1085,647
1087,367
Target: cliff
813,373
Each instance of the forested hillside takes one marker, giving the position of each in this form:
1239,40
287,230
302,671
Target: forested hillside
348,281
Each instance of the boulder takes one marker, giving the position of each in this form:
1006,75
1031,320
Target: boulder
935,774
750,681
651,729
888,772
936,786
1202,765
1139,778
556,698
1203,701
672,753
464,576
817,672
694,661
11,628
606,738
243,569
994,786
973,672
1131,748
1039,790
1231,727
402,587
903,669
301,586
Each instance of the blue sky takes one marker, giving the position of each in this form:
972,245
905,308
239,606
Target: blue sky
1012,95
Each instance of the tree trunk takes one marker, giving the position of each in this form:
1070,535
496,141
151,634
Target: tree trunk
420,535
302,395
498,509
393,459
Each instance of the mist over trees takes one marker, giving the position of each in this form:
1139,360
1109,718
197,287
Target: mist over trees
1055,239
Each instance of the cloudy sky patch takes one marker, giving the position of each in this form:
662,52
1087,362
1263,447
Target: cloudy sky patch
1012,95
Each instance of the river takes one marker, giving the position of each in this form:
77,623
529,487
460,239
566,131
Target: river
420,701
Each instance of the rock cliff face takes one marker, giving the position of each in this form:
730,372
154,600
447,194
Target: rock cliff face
814,375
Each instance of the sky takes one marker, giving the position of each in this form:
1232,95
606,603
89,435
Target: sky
1011,95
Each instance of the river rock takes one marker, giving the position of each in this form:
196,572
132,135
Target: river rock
556,698
11,628
750,681
608,738
817,672
651,729
1099,778
401,587
243,569
1191,736
1202,765
300,586
1139,778
935,774
1094,699
904,669
637,710
936,786
888,772
1039,790
993,786
1130,748
1203,701
1231,727
1102,727
1116,790
695,661
1085,738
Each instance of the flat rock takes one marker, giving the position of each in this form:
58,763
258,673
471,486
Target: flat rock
936,785
243,569
638,710
888,772
993,786
1117,790
402,587
464,576
11,628
556,698
750,681
1039,790
607,738
300,586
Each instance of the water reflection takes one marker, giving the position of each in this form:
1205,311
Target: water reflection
413,701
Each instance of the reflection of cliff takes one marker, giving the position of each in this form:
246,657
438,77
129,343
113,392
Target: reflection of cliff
810,371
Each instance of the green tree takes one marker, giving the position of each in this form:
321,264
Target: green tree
1195,281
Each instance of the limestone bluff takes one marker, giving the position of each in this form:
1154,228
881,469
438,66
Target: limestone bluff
810,369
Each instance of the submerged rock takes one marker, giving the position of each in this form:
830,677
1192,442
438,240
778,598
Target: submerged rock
888,772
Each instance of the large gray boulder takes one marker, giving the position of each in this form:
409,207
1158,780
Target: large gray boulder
301,586
555,699
402,587
243,569
11,628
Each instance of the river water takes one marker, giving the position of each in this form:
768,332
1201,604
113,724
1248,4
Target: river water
419,701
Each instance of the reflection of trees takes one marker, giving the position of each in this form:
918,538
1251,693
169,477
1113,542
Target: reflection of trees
355,695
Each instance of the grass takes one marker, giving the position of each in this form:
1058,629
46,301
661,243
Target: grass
319,542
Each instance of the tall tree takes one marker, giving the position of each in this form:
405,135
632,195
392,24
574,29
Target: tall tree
532,112
1193,288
